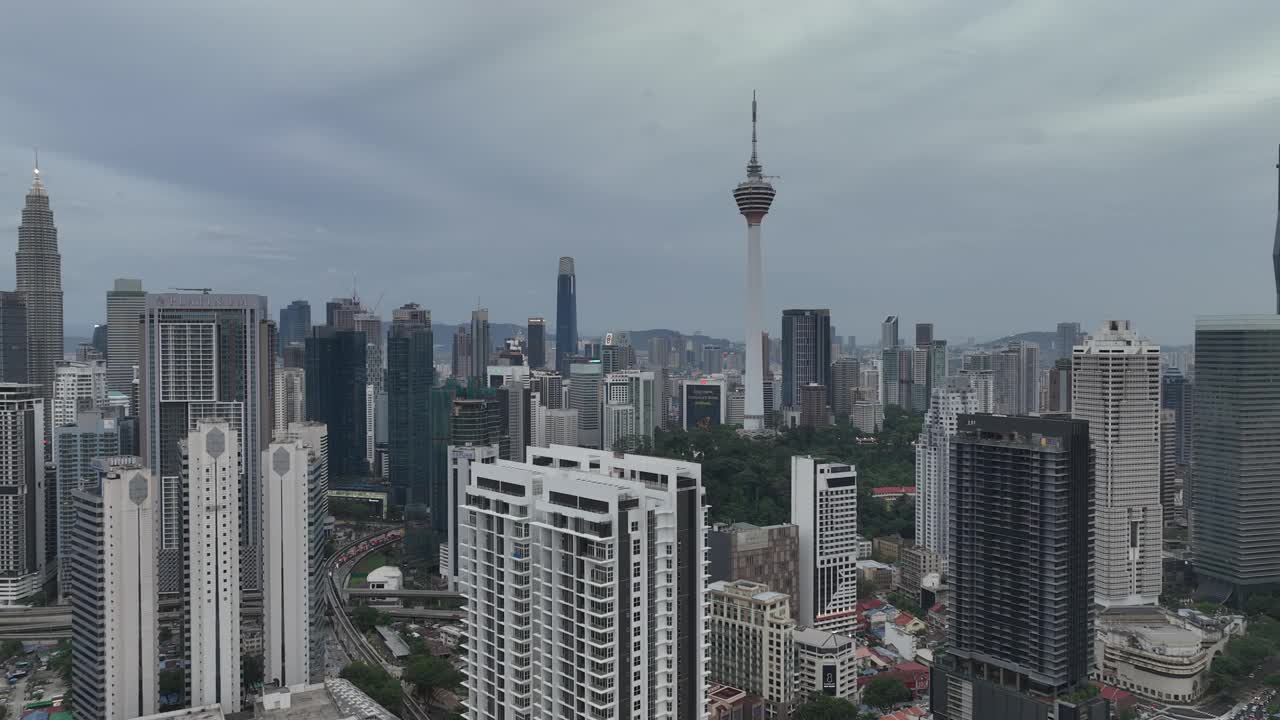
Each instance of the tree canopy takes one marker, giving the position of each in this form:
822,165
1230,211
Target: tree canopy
429,674
367,618
885,692
749,479
825,707
375,682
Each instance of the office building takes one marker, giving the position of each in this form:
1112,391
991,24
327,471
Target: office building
813,406
1069,335
1020,639
1235,478
889,337
77,386
295,323
917,386
1060,386
337,395
615,648
460,364
1171,501
114,613
481,345
585,387
824,506
476,421
750,644
1016,375
461,458
754,196
205,355
1175,395
24,553
39,270
933,460
659,351
845,377
637,390
826,663
550,388
767,555
290,398
512,385
98,342
806,352
340,313
867,417
13,337
212,458
410,378
126,304
924,335
554,427
293,603
703,403
536,344
916,564
1115,387
94,434
566,315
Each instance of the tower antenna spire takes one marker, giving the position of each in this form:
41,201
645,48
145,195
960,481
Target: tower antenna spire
754,168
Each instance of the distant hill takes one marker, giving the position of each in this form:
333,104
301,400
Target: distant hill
1047,341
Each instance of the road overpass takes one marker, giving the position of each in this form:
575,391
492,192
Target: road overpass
404,594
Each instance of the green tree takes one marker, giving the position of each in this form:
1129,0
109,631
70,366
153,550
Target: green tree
867,590
165,634
429,675
825,707
10,649
60,661
367,618
171,681
251,670
375,682
1273,680
885,692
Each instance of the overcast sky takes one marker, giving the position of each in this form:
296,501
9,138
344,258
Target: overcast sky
987,166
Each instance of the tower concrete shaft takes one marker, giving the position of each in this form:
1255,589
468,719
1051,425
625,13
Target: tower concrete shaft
754,196
1275,251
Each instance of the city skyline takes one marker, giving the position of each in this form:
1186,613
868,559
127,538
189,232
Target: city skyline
1005,184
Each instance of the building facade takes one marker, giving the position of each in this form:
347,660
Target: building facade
295,323
846,376
410,378
205,356
290,399
212,458
933,459
1115,387
126,304
628,618
824,507
77,386
536,343
1022,500
13,337
114,611
806,352
24,517
337,388
39,271
767,555
826,663
566,315
1235,476
585,387
750,645
293,605
93,435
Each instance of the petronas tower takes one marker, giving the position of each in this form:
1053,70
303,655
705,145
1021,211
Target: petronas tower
40,282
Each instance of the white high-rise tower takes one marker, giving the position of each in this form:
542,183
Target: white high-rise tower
754,197
958,396
1115,385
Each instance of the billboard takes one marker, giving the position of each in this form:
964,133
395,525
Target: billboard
828,679
703,404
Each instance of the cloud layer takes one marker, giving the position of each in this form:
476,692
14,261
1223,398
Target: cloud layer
987,166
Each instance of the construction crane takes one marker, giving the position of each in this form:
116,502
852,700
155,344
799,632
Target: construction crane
202,291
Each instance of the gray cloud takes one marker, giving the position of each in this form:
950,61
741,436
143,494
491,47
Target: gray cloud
990,166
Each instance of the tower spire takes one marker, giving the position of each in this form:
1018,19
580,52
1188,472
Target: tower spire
754,168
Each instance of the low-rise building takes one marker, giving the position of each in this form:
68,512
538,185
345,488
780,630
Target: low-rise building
767,555
730,703
876,573
826,663
1157,655
750,644
917,562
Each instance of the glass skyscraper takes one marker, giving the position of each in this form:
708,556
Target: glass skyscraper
336,377
566,315
410,376
806,352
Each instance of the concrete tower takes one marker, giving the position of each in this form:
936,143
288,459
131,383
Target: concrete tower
40,281
1275,250
754,196
566,315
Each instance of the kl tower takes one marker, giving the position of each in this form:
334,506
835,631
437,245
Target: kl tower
754,196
